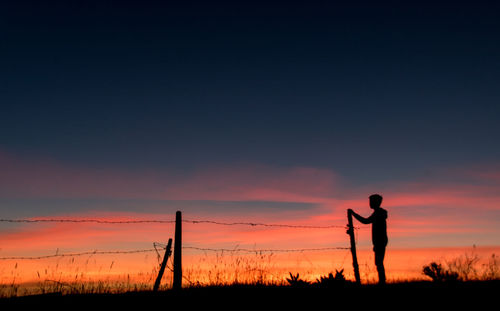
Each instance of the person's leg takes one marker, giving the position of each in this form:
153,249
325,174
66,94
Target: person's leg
379,263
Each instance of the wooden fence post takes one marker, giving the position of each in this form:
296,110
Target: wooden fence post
178,251
168,251
350,231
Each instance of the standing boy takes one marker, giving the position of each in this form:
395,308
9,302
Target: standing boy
379,232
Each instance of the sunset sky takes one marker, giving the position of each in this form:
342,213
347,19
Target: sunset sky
273,112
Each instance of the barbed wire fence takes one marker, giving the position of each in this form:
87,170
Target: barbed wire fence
145,221
159,246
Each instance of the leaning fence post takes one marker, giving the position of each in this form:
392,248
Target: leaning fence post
168,251
178,251
350,231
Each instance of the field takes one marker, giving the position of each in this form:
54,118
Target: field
449,290
429,295
230,281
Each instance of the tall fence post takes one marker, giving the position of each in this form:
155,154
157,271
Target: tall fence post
178,251
168,251
350,231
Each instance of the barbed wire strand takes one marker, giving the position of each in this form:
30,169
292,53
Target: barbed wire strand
248,250
254,224
139,221
78,254
155,249
99,221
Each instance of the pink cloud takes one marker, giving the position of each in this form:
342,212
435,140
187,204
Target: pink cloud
45,178
256,182
415,207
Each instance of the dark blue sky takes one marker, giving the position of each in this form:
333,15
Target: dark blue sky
370,91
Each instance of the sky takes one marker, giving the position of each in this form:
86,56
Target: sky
278,112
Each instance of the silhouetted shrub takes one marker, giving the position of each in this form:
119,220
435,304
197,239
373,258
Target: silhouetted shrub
295,280
467,267
331,280
438,274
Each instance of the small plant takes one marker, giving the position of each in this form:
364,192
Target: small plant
331,280
436,272
465,266
491,270
295,280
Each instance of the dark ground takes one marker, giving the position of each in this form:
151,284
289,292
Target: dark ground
401,296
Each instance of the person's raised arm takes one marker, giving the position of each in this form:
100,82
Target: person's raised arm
360,218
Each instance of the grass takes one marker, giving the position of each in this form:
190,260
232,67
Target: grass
215,270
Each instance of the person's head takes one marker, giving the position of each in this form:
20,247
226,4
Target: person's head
375,201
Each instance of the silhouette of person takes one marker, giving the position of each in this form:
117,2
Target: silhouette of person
379,232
